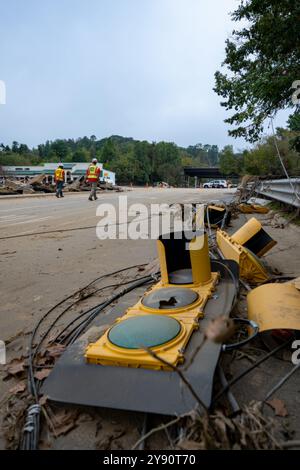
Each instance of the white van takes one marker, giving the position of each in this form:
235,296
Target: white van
216,184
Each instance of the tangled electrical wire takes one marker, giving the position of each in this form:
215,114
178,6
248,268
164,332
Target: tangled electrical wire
68,335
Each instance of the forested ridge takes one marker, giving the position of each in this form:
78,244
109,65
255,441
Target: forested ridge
142,162
134,161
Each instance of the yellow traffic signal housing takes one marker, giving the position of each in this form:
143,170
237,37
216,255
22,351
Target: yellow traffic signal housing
183,260
253,237
275,306
165,318
118,370
250,208
212,215
215,214
251,269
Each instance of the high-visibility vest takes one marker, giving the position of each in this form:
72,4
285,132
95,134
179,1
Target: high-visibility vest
59,174
92,172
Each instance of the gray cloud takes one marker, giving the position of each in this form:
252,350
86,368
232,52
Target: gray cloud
139,68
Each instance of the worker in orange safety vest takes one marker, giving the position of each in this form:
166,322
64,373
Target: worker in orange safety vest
59,178
92,177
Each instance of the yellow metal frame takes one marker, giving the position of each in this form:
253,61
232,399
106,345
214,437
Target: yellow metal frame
105,353
218,209
250,267
250,208
275,306
199,216
249,230
200,262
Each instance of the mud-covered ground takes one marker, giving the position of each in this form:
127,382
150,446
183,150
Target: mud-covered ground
38,271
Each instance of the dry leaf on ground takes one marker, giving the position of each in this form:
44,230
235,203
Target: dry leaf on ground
42,374
278,406
16,366
64,421
18,388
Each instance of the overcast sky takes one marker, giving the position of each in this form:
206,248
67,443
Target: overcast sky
138,68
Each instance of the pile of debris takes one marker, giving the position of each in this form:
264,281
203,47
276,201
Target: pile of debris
39,184
36,184
81,185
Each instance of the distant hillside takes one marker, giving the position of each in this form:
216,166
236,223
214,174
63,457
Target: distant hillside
142,162
135,161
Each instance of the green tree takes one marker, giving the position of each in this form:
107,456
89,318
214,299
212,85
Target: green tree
231,163
109,151
23,149
263,61
167,164
81,155
15,147
60,149
263,160
124,167
294,127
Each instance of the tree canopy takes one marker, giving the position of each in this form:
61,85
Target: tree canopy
262,62
262,160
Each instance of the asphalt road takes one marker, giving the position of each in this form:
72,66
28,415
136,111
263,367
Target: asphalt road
27,215
36,271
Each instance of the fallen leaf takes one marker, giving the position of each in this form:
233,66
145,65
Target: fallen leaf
187,444
278,406
15,367
18,388
43,361
64,421
12,338
105,442
43,400
84,418
64,429
42,374
55,350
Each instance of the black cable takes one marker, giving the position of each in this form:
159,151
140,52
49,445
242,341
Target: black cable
252,324
245,372
93,312
235,281
30,430
93,315
61,341
32,356
53,324
92,308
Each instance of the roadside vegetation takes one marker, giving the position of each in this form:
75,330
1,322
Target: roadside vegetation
258,77
141,162
138,162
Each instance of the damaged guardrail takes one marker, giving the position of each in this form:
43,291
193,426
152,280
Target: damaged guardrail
283,190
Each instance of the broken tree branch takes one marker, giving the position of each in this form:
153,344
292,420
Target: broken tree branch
181,375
